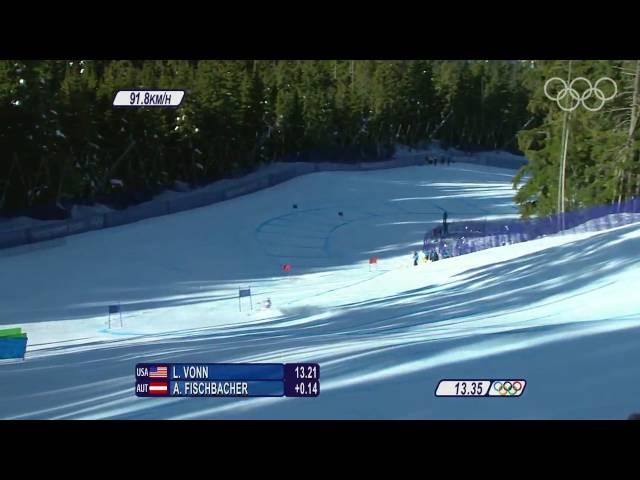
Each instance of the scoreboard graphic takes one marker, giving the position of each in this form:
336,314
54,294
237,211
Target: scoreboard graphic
227,380
481,388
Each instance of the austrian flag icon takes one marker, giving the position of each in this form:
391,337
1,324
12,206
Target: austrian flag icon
158,388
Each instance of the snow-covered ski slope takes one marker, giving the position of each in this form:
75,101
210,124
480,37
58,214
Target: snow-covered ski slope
561,312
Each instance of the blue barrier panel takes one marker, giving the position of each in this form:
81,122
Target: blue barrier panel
379,165
280,177
13,347
147,210
213,197
14,238
96,222
48,232
304,168
332,167
481,235
115,218
135,213
184,203
242,189
79,226
195,200
263,183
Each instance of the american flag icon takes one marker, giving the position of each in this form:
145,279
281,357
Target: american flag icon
158,372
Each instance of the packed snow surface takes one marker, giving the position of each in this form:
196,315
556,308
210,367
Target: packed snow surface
560,311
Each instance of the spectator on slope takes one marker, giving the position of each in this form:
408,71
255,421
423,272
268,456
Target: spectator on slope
445,227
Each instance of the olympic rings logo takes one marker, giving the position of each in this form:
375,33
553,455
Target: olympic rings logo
507,388
576,98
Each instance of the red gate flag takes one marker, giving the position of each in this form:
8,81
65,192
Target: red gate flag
286,267
373,260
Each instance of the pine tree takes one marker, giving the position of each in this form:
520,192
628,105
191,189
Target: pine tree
594,163
63,141
79,120
252,124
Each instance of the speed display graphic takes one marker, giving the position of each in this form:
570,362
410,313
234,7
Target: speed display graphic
148,98
481,388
